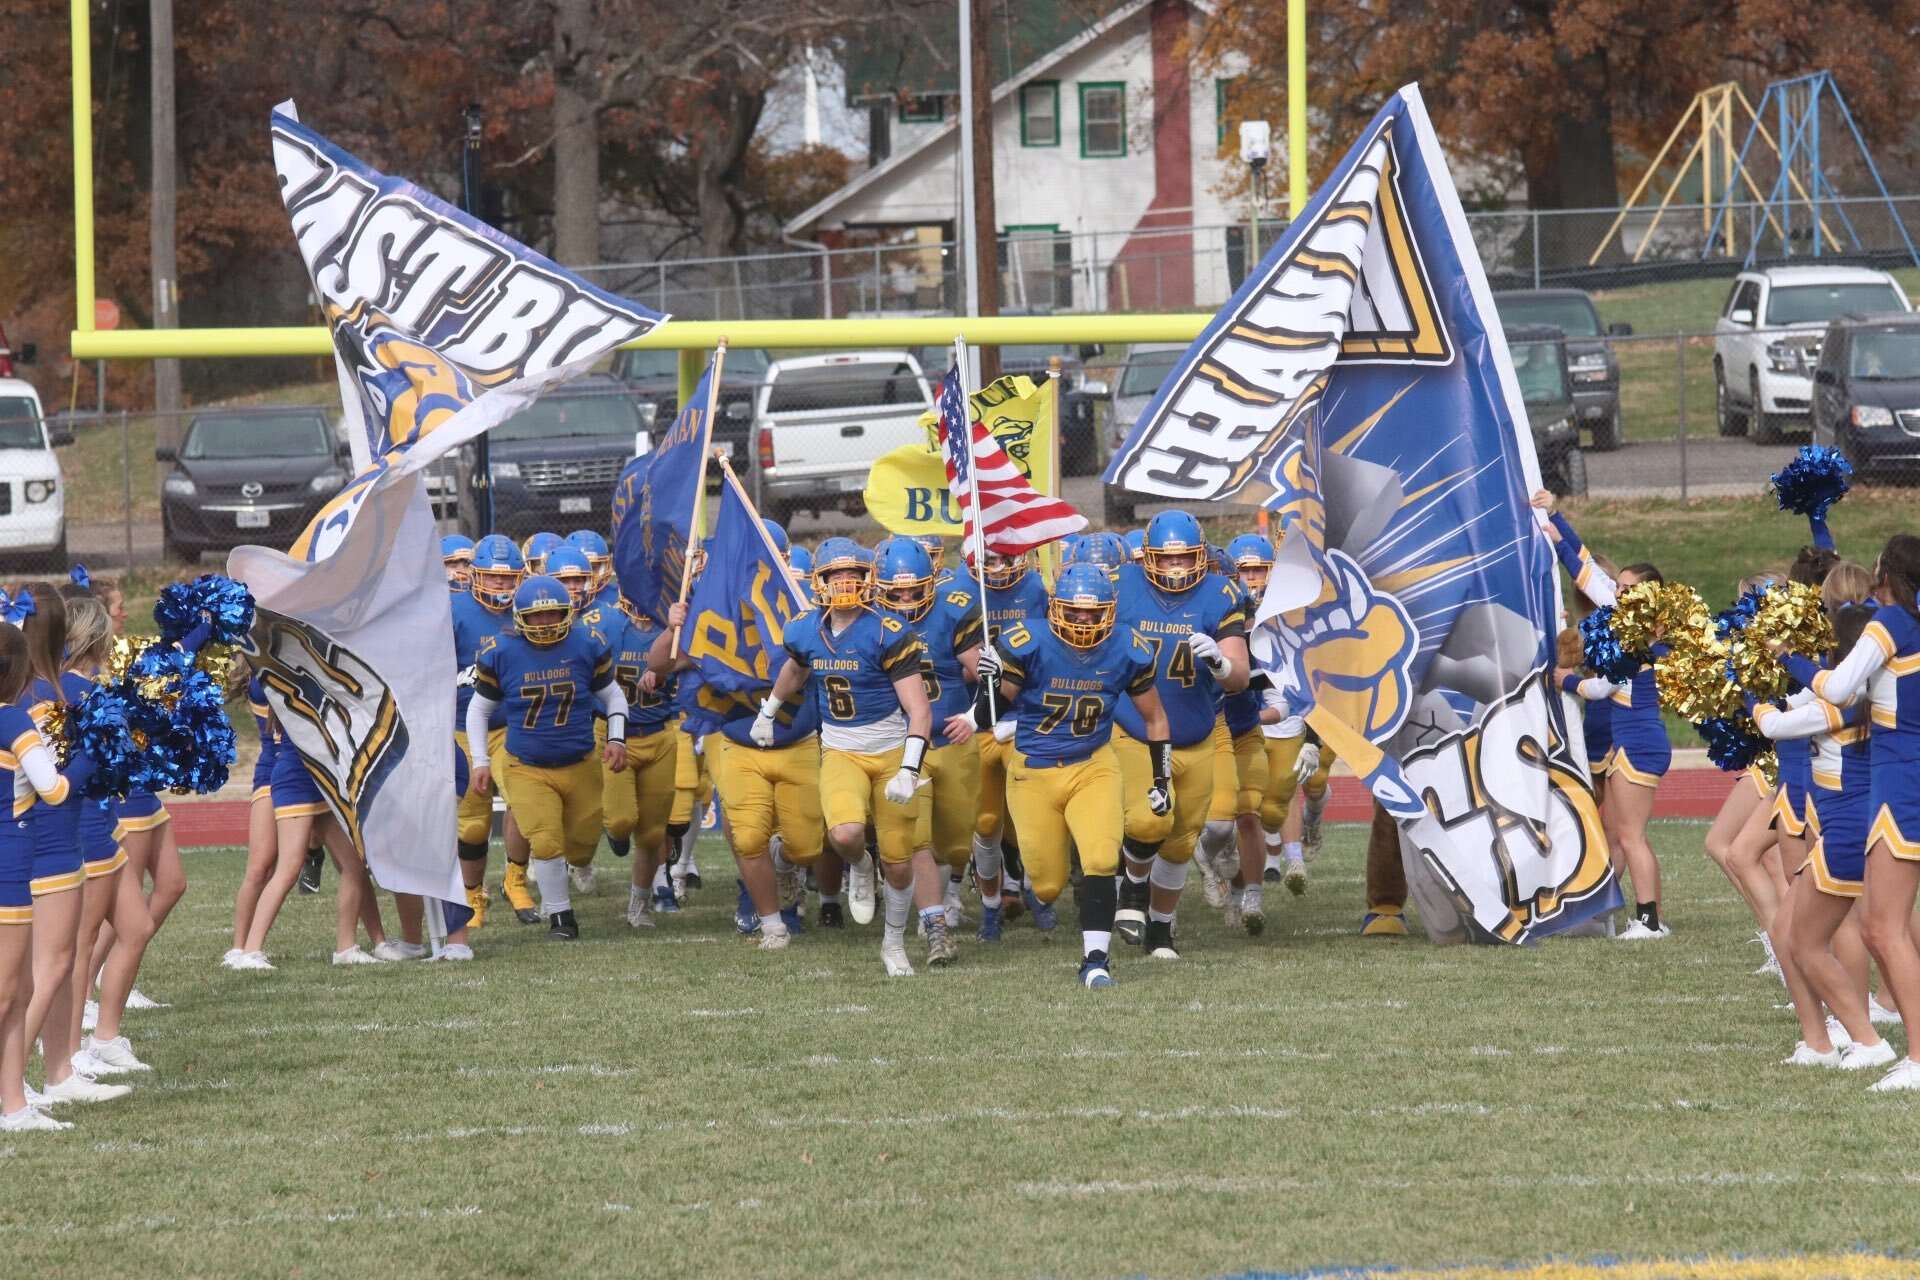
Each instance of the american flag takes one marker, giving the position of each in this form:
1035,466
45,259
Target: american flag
1013,518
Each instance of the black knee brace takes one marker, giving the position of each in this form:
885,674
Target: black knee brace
474,851
1140,850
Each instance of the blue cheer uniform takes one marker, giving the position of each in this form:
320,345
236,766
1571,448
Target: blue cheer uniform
19,740
1885,666
1642,752
1840,786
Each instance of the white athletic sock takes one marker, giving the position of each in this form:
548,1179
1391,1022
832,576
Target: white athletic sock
1295,851
773,926
1214,839
661,880
929,914
1250,897
1092,940
550,876
1169,875
899,907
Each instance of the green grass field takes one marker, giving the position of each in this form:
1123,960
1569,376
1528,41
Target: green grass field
677,1103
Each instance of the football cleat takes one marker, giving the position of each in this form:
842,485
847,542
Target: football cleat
562,926
1094,972
514,886
1271,873
940,949
1253,919
1232,915
989,924
664,900
1130,919
860,889
1012,904
1158,940
478,899
692,878
581,879
1213,886
1311,829
1045,916
955,917
1295,877
639,913
893,956
790,916
773,941
1383,924
832,916
745,919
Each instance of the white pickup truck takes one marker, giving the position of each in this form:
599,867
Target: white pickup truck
820,423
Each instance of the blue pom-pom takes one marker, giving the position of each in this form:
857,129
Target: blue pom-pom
1732,743
1818,477
1602,648
224,606
100,728
1732,620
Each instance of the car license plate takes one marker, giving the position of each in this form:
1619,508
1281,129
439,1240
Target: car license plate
252,519
575,506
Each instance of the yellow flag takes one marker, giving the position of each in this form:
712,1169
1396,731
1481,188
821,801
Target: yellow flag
907,489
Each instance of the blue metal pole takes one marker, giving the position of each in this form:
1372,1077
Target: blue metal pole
1878,183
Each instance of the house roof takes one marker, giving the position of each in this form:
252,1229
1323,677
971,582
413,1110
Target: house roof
948,132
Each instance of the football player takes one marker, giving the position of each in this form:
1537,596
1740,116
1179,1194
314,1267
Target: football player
1108,550
456,553
947,620
1065,781
534,550
1016,596
481,617
638,801
1231,845
604,592
571,567
875,723
1195,623
541,674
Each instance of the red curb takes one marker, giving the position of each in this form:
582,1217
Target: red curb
1686,793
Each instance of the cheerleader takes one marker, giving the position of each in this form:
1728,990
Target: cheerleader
1885,664
262,844
1820,902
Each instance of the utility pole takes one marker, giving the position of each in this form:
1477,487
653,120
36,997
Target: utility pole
473,122
976,175
162,243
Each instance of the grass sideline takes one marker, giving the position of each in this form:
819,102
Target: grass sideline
677,1103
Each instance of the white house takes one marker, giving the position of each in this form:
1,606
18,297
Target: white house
1111,153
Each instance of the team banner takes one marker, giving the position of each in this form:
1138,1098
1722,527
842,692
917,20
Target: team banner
907,490
653,505
1359,386
441,328
737,617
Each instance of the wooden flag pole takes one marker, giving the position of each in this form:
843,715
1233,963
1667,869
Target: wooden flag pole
697,529
972,503
760,527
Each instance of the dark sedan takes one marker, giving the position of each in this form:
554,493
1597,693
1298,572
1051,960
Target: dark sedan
1866,394
248,476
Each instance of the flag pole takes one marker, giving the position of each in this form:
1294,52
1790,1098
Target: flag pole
1054,371
972,503
760,527
697,527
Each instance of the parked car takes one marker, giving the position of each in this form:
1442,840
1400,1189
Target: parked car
554,464
254,475
821,422
1767,341
654,379
1546,386
33,497
1590,358
1147,366
1866,393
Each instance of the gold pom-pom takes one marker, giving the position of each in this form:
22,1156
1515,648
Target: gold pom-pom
55,722
1792,614
1692,675
217,661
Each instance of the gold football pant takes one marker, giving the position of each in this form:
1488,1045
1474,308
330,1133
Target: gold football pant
1192,792
768,789
1239,774
1281,786
949,802
558,808
476,809
853,788
637,801
1080,803
692,784
995,757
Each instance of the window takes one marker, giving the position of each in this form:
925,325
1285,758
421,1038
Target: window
1040,114
1224,144
928,110
1103,119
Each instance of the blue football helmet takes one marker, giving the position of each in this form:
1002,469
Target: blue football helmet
456,553
1174,554
779,535
1108,550
547,599
599,558
903,577
497,570
534,550
570,564
1252,557
936,548
836,556
800,559
1136,544
1083,604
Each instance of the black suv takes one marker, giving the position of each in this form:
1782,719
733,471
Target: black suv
555,462
654,379
1540,363
1590,358
1866,393
248,476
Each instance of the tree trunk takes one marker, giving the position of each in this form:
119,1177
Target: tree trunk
1577,172
720,170
985,231
576,137
161,228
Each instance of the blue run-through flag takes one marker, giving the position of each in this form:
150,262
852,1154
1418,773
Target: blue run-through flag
653,505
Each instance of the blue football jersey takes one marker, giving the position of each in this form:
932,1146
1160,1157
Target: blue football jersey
473,626
1025,601
1242,709
1164,620
629,642
949,627
854,671
547,692
1068,696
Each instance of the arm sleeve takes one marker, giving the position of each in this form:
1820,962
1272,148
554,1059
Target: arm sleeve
1592,581
479,710
613,703
37,763
1847,681
1799,722
1595,689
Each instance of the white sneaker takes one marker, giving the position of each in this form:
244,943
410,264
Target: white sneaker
32,1120
1772,967
251,960
774,941
581,878
115,1055
135,1000
1858,1057
395,949
893,955
860,890
955,916
227,961
1880,1015
454,951
1295,877
354,955
90,1015
1805,1055
80,1087
1637,931
1838,1033
1905,1075
639,908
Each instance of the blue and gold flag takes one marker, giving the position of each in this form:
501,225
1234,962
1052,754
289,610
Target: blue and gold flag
653,504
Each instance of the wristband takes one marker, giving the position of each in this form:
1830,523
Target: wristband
914,753
770,708
1161,752
617,727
